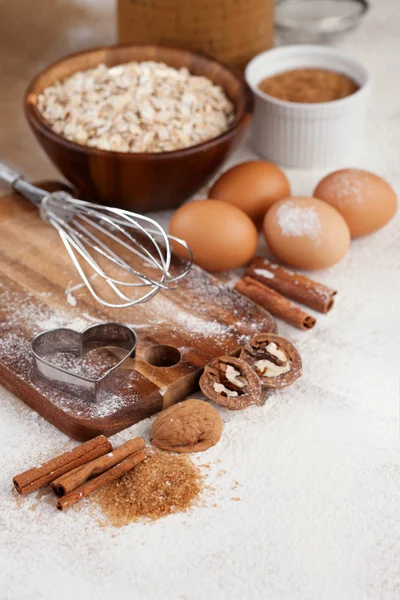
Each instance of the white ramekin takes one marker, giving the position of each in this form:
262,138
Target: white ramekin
307,135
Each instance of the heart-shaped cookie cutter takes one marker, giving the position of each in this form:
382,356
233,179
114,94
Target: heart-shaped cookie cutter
64,340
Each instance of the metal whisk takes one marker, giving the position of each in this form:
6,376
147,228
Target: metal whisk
99,235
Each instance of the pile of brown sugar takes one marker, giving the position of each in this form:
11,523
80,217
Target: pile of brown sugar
161,485
309,85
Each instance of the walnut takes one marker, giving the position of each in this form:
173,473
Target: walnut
230,382
275,360
189,426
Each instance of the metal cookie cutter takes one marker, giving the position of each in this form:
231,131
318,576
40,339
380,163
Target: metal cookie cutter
64,340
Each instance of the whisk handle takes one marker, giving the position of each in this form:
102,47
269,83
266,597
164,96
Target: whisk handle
19,184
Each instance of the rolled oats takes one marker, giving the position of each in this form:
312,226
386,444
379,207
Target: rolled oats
136,107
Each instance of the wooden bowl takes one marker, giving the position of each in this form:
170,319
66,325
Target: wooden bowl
139,181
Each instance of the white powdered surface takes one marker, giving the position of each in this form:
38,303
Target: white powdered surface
94,364
299,221
349,186
318,467
264,273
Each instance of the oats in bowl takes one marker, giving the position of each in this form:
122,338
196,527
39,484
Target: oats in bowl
136,107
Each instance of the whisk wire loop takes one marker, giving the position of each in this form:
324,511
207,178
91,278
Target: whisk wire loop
69,243
123,231
91,234
109,254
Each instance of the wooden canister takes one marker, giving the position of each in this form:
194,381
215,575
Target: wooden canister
230,30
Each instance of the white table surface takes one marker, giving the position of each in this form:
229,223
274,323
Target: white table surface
318,465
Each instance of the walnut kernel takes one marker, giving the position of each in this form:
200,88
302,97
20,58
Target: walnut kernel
275,360
230,382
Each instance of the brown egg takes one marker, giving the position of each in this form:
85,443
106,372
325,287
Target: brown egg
365,200
253,187
220,235
306,233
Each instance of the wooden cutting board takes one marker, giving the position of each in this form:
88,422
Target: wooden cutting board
178,331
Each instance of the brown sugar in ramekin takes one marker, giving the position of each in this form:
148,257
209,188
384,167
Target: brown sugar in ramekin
309,86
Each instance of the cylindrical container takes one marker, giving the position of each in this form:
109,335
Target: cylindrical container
232,31
307,135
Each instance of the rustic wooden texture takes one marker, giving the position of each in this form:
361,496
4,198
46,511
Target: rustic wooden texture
140,182
200,320
231,30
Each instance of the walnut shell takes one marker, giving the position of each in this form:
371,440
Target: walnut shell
189,426
245,392
256,350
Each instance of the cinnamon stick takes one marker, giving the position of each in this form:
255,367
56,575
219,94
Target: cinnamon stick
70,481
35,478
275,303
109,476
297,287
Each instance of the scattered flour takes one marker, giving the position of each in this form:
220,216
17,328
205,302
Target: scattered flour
349,185
200,326
94,364
318,466
78,286
264,273
15,354
57,319
90,318
298,221
70,298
